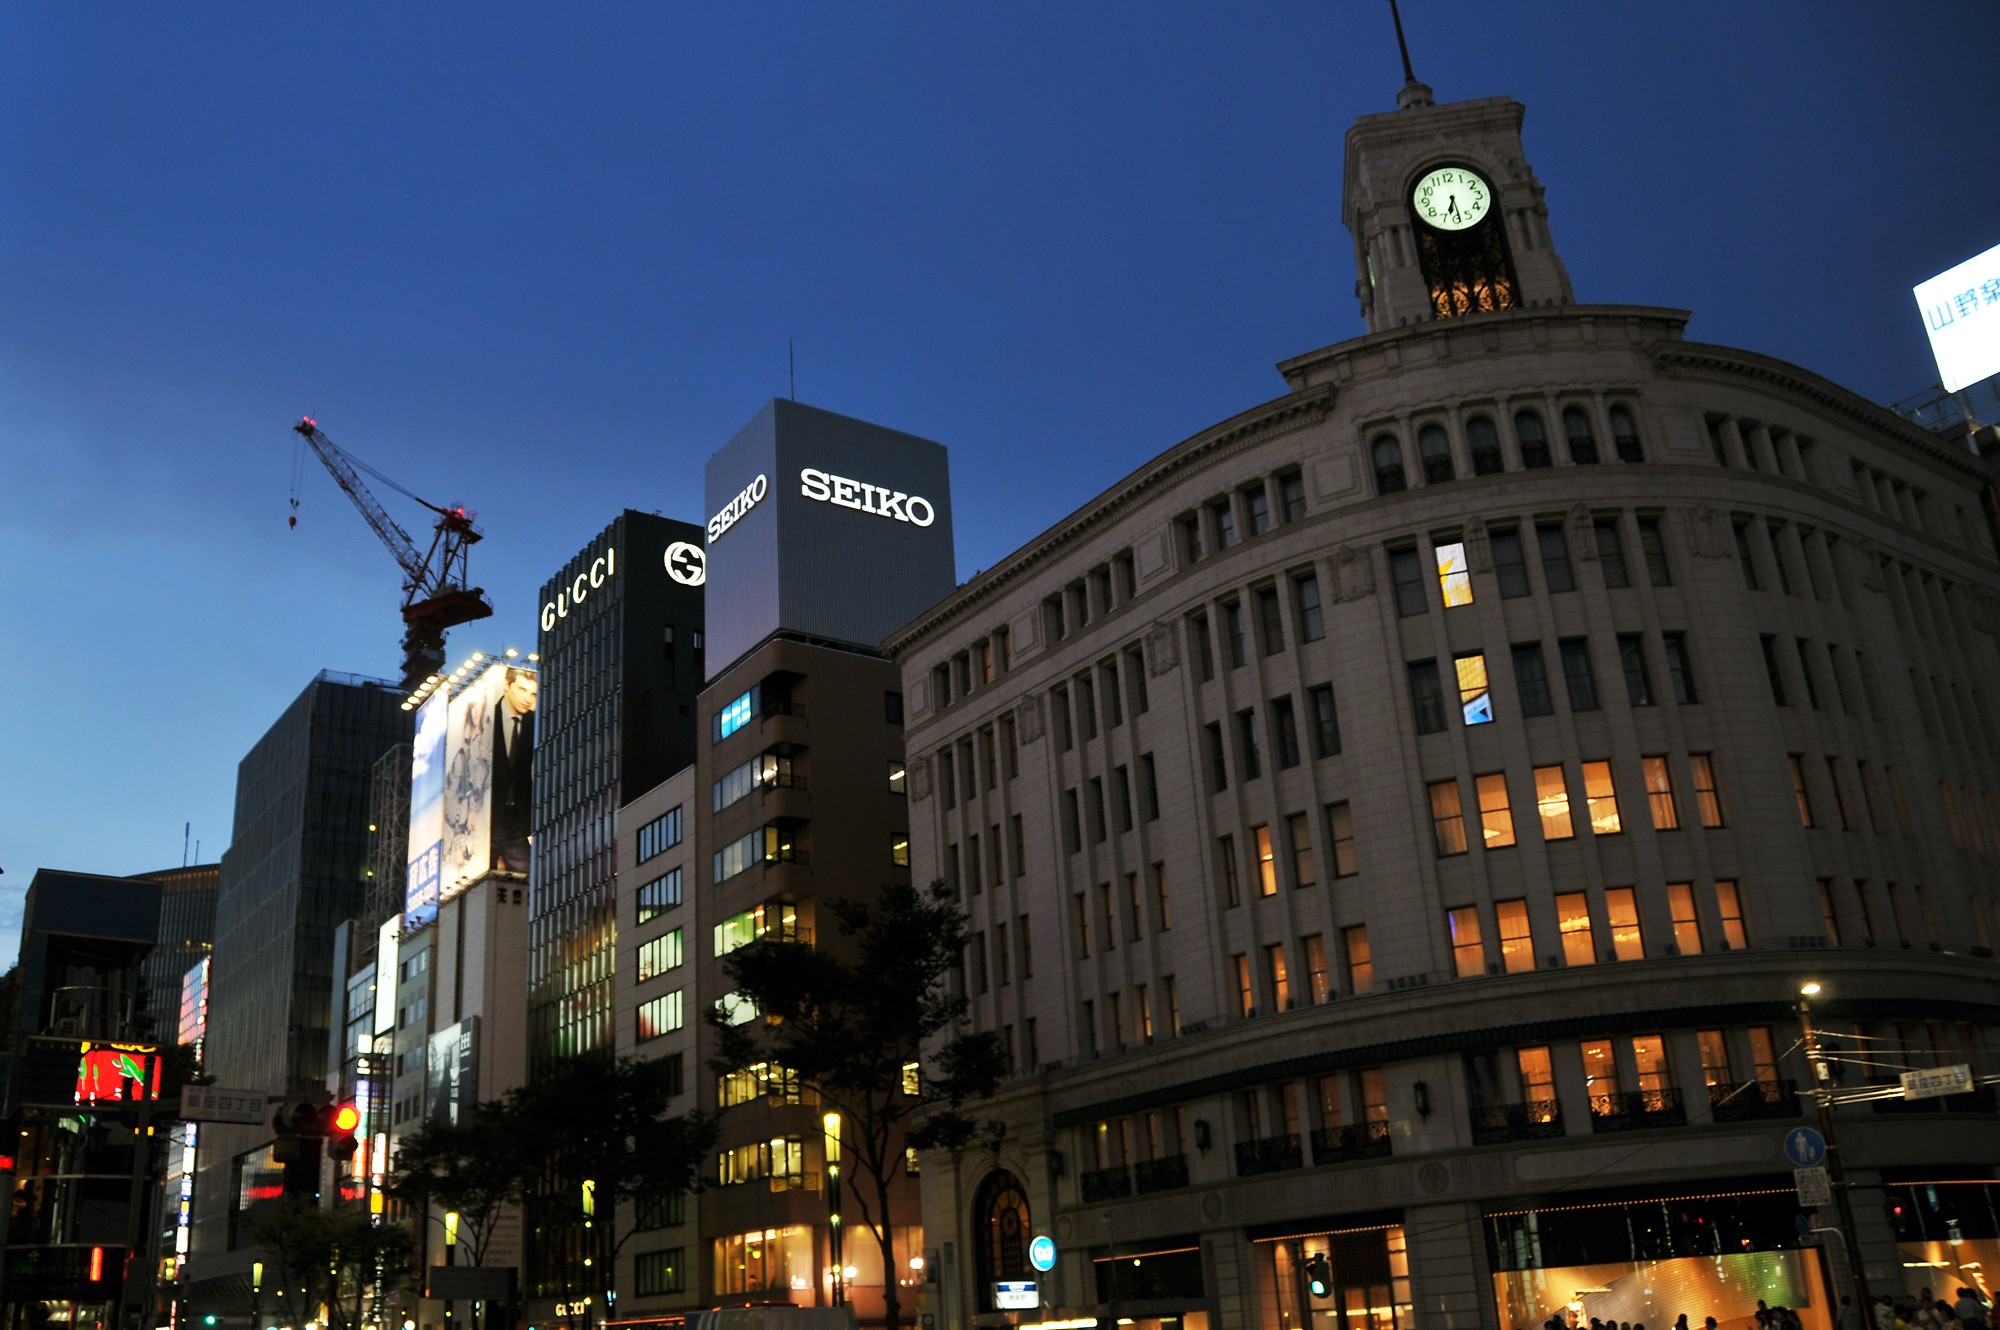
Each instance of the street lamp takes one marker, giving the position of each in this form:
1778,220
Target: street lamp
256,1295
1822,1089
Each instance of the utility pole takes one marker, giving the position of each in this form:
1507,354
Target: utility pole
1836,1169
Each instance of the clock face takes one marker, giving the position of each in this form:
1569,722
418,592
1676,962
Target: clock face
1451,198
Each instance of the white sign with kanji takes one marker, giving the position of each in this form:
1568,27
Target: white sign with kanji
1961,309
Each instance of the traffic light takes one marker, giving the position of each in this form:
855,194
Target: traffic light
342,1120
1319,1275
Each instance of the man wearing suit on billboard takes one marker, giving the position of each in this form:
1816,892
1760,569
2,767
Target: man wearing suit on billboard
513,770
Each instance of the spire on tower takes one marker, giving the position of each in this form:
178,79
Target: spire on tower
1413,94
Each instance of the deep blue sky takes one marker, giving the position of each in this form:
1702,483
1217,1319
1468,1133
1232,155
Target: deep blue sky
545,260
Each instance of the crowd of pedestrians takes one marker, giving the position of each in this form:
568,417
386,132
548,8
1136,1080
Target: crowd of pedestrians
1968,1311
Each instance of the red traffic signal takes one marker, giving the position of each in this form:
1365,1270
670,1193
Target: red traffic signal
342,1120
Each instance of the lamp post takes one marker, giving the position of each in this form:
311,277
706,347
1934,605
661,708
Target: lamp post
1835,1168
256,1295
831,1127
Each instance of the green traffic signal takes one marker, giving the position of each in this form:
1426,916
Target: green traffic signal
209,1319
1319,1276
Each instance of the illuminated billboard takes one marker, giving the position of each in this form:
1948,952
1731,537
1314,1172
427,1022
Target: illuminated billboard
488,774
426,853
451,1072
1961,308
117,1073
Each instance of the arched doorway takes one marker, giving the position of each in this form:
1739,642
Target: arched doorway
1000,1219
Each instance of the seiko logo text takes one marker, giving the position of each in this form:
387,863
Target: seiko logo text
578,591
911,508
736,507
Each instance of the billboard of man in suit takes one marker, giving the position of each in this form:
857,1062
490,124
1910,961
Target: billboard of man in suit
513,770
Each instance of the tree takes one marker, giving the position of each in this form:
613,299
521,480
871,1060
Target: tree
318,1257
848,1019
473,1168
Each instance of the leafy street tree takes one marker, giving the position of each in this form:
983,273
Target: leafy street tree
329,1257
846,1020
473,1167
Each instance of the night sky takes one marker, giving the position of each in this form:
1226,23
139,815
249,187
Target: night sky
544,260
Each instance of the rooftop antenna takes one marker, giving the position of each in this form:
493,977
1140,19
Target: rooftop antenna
186,827
1413,94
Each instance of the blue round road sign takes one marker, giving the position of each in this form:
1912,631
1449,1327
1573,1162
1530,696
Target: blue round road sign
1805,1147
1042,1253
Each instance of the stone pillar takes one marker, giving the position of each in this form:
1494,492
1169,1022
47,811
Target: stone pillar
1450,1284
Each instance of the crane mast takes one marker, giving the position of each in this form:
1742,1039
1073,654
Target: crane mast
435,594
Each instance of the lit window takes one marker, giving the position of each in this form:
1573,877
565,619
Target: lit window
1660,794
1360,961
1281,984
1602,798
1468,952
1706,801
898,776
899,849
659,955
1799,793
1621,910
1552,800
1475,700
1340,823
1517,943
1496,818
1267,864
1573,920
1454,579
1317,979
1729,905
1246,995
1447,818
1687,928
734,716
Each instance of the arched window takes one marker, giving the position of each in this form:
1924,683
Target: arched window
1435,449
1484,441
1625,436
1000,1221
1534,440
1582,443
1388,464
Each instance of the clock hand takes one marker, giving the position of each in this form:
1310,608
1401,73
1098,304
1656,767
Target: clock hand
1452,205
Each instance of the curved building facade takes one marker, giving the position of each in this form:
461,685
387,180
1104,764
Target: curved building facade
1396,823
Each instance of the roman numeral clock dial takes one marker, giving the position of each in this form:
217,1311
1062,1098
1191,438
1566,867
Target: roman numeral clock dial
1452,198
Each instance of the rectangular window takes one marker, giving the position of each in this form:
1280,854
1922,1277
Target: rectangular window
1475,699
1509,562
1267,862
1222,517
1706,801
1517,943
660,835
1843,808
1094,809
1270,621
1447,818
1764,1054
1632,660
663,893
1149,789
1246,992
1602,798
1426,696
1326,721
1225,862
1621,910
1340,829
1278,976
1496,818
1680,669
1003,965
656,1272
660,1016
1249,745
1079,922
1204,648
1135,681
1715,1071
1406,571
1233,634
1827,916
1468,952
1729,905
1555,556
1799,794
1772,673
1577,674
1360,961
1135,909
1218,768
1190,528
898,776
1305,598
1284,732
1454,578
1653,545
1744,557
1299,834
1573,922
659,956
737,713
1600,1078
1319,983
1611,553
1660,794
1059,712
1086,708
1292,495
1687,927
1531,680
1538,1082
1160,896
1806,672
1552,801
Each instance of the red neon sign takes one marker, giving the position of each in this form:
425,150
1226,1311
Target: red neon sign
117,1074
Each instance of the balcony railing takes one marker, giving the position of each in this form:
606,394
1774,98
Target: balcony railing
1162,1174
1272,1154
1635,1109
1535,1120
1759,1099
787,854
1356,1140
1106,1184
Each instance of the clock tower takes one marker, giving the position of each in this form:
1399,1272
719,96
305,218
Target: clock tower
1447,217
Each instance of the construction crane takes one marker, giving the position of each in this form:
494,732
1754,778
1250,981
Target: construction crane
435,594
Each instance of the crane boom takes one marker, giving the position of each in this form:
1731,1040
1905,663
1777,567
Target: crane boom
435,594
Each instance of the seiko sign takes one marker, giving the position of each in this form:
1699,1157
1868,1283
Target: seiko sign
578,591
736,507
819,486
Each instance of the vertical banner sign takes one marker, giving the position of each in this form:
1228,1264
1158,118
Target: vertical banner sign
468,785
426,813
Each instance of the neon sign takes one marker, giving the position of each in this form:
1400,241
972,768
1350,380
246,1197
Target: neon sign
117,1074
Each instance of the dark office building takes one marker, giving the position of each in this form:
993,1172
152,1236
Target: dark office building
295,869
187,933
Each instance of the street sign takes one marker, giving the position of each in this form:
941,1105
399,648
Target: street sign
1016,1295
1936,1082
1814,1188
213,1103
1805,1147
1042,1253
